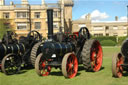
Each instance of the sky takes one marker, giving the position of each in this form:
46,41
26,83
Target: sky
100,10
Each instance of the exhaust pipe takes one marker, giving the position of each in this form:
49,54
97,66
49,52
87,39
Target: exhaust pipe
50,23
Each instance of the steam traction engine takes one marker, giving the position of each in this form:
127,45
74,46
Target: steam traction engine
120,61
14,53
66,51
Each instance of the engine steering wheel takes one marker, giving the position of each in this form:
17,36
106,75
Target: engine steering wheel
34,36
84,33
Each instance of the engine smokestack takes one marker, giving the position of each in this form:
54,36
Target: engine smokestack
50,23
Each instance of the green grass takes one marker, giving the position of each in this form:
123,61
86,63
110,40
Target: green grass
103,77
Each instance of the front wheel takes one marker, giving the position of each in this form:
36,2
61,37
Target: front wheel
11,64
69,65
117,69
41,66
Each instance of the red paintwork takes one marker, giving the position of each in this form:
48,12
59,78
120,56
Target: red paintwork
96,56
45,69
119,68
72,66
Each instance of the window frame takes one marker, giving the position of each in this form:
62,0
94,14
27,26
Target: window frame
24,25
5,15
37,15
37,26
21,15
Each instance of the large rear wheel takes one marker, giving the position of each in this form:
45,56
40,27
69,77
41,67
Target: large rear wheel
41,66
117,69
69,65
92,55
34,52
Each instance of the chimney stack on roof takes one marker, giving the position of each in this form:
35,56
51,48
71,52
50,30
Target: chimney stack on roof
11,3
43,2
24,2
116,18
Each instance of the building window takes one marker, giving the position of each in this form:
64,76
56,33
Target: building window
107,34
82,25
21,26
115,27
125,27
98,28
97,35
37,14
7,25
125,33
6,15
55,25
21,15
115,34
107,28
55,14
37,25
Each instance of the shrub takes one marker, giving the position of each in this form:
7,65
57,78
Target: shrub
108,43
120,40
113,38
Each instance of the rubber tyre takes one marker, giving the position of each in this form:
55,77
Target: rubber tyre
86,55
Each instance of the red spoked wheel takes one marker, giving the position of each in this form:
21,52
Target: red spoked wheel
96,56
69,65
117,69
92,55
41,66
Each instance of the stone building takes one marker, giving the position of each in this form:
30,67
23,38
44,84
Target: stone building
25,17
102,28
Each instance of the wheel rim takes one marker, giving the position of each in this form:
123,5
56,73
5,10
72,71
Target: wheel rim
69,65
72,66
119,68
96,56
11,64
45,69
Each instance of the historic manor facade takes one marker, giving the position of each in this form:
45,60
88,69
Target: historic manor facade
102,28
25,17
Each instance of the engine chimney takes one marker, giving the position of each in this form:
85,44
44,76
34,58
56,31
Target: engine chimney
50,23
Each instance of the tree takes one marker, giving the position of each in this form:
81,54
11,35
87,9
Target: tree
4,26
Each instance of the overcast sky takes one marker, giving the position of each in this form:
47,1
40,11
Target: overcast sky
101,10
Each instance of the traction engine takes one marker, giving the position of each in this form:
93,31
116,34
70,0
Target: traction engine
120,61
14,53
66,51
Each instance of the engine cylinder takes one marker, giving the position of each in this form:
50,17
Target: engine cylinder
3,51
15,48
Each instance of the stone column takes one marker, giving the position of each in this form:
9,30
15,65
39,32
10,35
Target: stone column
2,2
62,15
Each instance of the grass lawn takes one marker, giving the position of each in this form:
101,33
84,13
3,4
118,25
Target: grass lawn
103,77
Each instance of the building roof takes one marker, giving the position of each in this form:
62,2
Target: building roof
83,21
